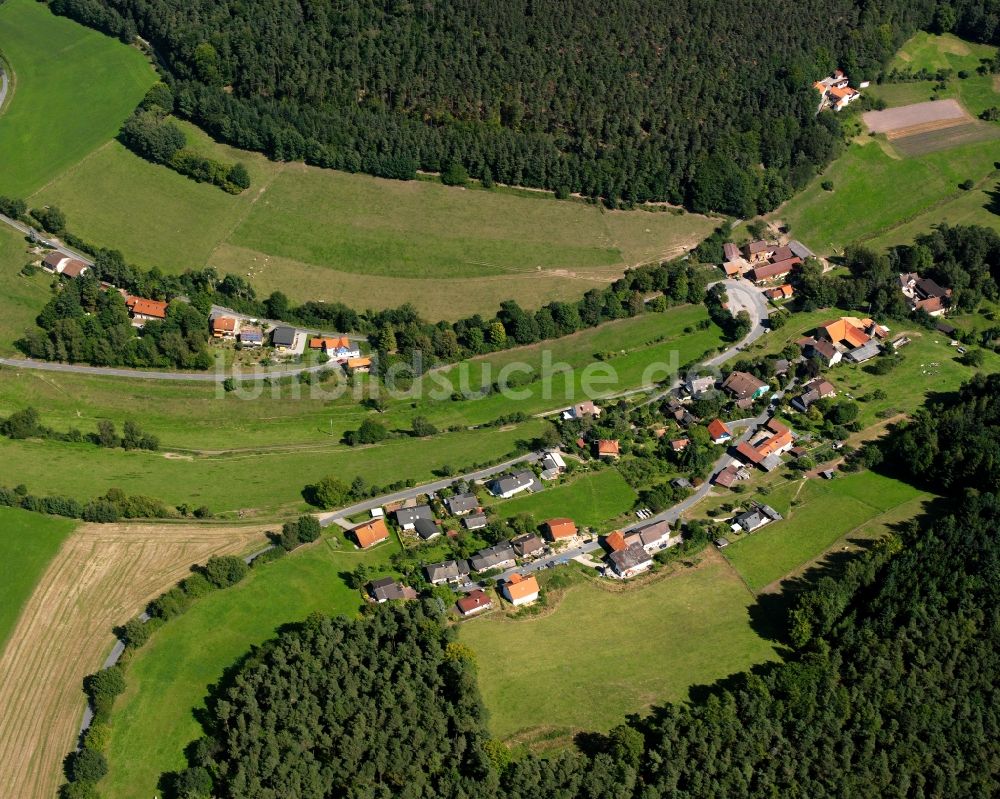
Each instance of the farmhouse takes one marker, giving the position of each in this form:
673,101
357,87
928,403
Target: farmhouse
142,310
582,410
527,545
386,588
865,352
475,521
370,533
608,448
816,389
730,251
759,252
251,337
406,518
629,562
559,529
719,432
924,294
283,337
223,327
361,365
775,269
767,447
512,484
651,537
744,386
473,602
853,337
520,590
54,261
449,571
499,556
835,93
460,504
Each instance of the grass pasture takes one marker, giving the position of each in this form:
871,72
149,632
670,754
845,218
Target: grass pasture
72,89
600,654
820,513
591,500
100,576
21,297
28,541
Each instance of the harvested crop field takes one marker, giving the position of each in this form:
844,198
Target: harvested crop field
945,137
895,121
101,576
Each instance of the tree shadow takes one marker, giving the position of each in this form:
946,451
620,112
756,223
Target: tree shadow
993,205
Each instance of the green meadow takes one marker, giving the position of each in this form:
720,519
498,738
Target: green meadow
169,678
818,513
72,89
21,297
28,541
590,499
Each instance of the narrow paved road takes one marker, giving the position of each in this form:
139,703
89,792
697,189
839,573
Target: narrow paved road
139,374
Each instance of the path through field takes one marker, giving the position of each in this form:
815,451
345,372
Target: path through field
102,575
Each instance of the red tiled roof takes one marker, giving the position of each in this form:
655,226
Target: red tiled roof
607,446
144,307
519,586
560,528
474,600
616,541
717,429
371,532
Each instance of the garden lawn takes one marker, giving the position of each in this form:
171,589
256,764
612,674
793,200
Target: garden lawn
590,500
73,88
28,541
170,677
600,655
21,298
931,51
822,512
875,192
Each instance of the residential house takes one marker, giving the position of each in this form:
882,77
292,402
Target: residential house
696,386
629,562
475,521
816,389
406,518
759,252
386,588
730,251
679,444
251,337
615,542
782,292
338,348
820,349
460,504
54,262
360,365
499,556
727,477
559,529
770,271
426,528
840,98
553,465
744,386
608,448
527,545
449,571
283,337
651,537
142,310
835,92
924,294
756,517
582,410
73,268
223,327
370,533
512,484
719,432
781,366
473,602
520,590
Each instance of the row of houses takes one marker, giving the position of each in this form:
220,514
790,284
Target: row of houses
763,261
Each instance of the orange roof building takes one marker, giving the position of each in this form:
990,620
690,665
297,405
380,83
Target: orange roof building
847,329
775,443
362,364
521,590
560,529
223,326
148,309
718,431
608,448
616,541
371,533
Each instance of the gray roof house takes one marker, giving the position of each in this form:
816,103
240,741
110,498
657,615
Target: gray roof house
462,503
757,517
527,544
283,336
407,517
449,571
512,484
475,521
651,537
630,561
499,556
386,588
426,528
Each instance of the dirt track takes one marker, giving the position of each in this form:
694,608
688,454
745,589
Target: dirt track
102,575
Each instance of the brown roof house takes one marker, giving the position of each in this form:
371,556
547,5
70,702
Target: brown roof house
474,602
629,562
520,590
924,294
528,544
816,389
223,327
386,588
744,386
582,410
142,310
608,448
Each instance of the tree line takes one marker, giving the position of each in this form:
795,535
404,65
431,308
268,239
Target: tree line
708,104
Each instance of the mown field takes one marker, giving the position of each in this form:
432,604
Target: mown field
590,500
21,298
817,513
170,677
601,654
102,575
28,541
72,89
883,197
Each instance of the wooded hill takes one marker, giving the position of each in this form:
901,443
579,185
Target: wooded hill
703,102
